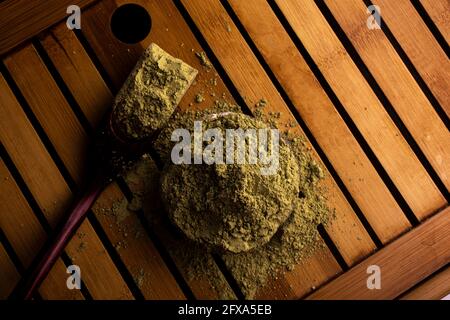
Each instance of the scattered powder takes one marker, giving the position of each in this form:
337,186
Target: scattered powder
197,264
119,211
292,124
81,247
204,60
213,81
121,245
199,98
139,278
135,204
261,103
81,235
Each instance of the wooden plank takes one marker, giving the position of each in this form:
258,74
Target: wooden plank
403,263
22,19
238,61
84,82
366,111
116,57
413,35
398,85
26,235
53,195
78,72
319,114
10,275
439,11
437,287
41,92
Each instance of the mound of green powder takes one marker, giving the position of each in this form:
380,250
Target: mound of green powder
235,208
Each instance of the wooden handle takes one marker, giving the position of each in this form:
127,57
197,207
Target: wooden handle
49,255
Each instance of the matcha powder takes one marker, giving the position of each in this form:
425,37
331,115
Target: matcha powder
231,206
150,94
259,225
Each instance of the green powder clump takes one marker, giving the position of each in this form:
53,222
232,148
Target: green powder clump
150,94
236,208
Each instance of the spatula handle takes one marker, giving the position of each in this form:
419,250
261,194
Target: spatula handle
50,254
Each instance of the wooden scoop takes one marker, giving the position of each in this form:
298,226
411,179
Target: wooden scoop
142,107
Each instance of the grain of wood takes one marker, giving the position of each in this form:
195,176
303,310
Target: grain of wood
414,36
366,111
20,20
435,288
397,83
140,253
26,235
439,11
116,57
402,263
10,275
52,194
78,72
326,125
41,92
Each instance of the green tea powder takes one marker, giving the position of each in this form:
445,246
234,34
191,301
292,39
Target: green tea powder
232,207
150,94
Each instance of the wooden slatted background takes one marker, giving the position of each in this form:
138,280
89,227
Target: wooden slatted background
373,104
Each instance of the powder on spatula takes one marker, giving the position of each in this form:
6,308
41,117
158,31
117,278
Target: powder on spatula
150,94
